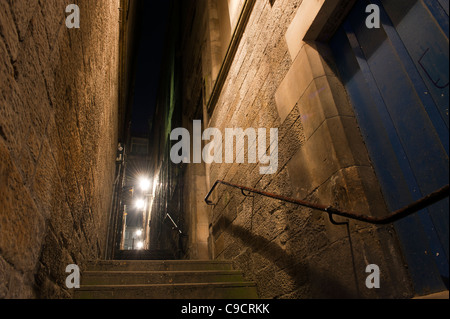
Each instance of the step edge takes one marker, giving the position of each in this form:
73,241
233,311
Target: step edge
162,261
245,284
169,272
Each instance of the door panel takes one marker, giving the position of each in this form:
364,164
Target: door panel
397,81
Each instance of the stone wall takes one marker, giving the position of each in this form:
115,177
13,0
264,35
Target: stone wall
293,252
58,136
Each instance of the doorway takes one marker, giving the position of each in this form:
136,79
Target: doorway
397,79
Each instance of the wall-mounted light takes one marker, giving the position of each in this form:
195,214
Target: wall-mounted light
144,184
140,204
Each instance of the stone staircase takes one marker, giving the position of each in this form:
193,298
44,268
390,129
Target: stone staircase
168,279
144,255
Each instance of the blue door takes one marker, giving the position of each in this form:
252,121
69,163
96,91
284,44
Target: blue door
397,78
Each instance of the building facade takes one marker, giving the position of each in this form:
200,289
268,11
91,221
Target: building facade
361,115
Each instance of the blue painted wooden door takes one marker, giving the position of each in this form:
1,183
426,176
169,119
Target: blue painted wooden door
397,78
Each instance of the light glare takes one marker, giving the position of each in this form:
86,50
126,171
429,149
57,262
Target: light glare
140,204
144,184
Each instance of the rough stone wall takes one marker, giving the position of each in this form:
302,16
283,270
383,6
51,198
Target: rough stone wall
58,136
254,231
294,252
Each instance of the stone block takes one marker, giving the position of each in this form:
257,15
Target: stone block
332,277
336,144
307,66
32,87
37,30
348,142
14,284
54,15
47,187
325,98
23,11
314,163
394,275
219,246
21,225
300,25
9,32
6,68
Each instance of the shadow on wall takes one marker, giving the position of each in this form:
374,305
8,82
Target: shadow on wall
301,273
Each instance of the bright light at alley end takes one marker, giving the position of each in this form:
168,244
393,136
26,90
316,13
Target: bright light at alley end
140,204
144,184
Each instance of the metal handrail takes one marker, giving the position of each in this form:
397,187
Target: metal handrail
173,222
391,218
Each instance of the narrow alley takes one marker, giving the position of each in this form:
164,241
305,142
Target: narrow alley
224,149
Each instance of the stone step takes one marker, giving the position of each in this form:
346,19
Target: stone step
144,255
163,279
230,290
158,265
159,277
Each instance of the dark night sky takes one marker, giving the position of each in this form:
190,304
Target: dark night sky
150,53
